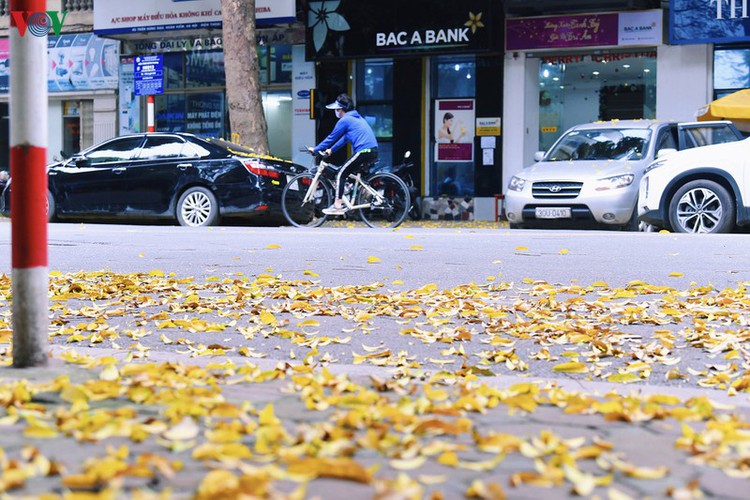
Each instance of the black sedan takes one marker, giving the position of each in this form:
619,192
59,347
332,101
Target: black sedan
194,180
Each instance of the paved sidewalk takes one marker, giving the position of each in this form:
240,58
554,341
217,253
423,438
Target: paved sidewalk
369,434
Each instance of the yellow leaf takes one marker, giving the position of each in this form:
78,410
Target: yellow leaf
623,378
273,246
338,468
571,367
677,275
156,273
564,251
187,429
267,318
521,249
448,458
372,259
416,247
109,373
397,282
268,417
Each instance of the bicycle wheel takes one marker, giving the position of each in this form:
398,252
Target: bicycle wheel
390,208
308,214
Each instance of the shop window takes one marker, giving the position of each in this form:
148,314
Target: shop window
583,88
71,127
453,116
173,71
204,69
277,106
280,64
375,102
731,70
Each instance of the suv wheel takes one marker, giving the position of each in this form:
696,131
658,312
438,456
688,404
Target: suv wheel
702,206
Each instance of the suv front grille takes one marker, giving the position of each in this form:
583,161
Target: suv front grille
556,190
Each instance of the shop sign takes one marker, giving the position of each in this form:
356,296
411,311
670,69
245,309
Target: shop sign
702,21
599,58
353,28
454,129
587,30
163,15
488,127
270,36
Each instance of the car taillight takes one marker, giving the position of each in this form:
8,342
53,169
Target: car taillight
259,169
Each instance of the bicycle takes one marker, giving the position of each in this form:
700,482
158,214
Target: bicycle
382,199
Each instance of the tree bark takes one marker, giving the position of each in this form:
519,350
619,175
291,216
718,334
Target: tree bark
246,117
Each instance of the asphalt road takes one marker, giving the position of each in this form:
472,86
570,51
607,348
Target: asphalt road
444,256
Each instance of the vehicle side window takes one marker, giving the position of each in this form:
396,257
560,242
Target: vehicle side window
704,136
117,150
667,139
159,148
193,149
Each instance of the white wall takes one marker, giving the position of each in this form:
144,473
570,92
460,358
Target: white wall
684,80
520,133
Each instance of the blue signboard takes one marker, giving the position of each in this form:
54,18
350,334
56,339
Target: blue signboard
148,75
708,21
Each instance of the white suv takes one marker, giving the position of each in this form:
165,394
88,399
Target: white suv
703,190
591,174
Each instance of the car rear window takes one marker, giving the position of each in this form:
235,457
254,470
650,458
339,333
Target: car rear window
601,144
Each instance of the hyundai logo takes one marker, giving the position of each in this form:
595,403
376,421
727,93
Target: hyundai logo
555,189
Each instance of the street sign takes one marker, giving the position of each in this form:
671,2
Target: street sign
148,75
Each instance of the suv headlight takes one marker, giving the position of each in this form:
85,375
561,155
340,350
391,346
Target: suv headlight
516,183
616,182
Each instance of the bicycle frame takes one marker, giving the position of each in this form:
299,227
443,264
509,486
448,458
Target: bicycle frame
357,178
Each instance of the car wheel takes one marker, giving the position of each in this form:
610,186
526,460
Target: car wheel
702,206
50,207
511,225
197,207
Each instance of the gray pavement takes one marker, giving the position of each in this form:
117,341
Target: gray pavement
160,384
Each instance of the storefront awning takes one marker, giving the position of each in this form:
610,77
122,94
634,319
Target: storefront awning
735,107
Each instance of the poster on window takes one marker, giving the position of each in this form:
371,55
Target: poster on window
454,129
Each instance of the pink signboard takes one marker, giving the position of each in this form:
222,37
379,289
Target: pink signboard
561,32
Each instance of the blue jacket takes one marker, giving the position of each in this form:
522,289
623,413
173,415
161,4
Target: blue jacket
352,128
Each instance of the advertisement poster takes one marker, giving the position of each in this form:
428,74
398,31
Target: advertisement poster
82,62
303,128
162,15
4,65
454,129
702,21
129,104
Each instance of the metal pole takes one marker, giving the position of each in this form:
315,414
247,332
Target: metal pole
150,114
28,158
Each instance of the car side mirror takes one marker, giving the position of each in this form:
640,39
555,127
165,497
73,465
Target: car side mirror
665,152
539,156
81,161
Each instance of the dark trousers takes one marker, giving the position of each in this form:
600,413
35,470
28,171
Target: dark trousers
357,163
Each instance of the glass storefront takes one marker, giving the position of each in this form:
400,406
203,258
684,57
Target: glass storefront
194,98
731,70
374,101
454,80
583,88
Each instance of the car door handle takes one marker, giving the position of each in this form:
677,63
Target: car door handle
119,170
51,173
183,166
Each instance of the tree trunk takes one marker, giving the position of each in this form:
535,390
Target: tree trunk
242,73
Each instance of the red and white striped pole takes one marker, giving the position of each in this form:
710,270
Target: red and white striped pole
28,159
150,113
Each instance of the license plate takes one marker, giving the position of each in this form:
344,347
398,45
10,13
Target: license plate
553,213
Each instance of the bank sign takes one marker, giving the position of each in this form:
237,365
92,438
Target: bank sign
353,28
709,21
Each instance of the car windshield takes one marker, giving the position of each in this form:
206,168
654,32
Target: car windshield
601,144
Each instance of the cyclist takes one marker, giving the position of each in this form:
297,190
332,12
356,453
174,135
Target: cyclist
354,129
